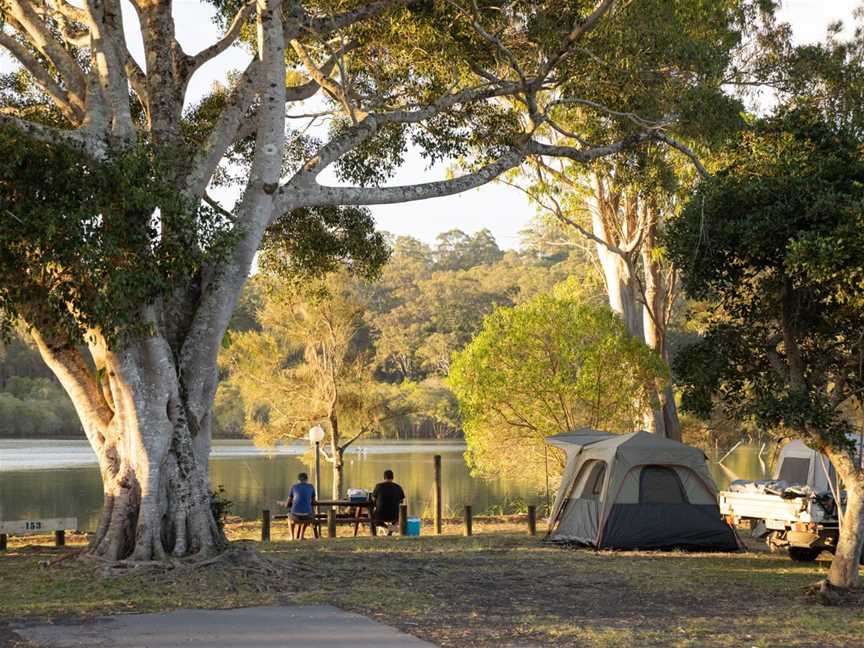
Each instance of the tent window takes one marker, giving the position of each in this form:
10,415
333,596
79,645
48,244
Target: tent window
591,480
597,487
795,470
660,485
589,483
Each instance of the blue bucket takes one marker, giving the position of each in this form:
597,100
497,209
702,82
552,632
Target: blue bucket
413,526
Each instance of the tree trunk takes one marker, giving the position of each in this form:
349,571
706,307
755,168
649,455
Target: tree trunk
156,490
656,308
621,289
844,570
338,454
338,472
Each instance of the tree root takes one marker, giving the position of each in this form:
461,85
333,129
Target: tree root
240,563
831,595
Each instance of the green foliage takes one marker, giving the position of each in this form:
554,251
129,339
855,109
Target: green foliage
547,366
228,412
306,365
773,241
99,240
36,407
431,403
456,250
311,243
430,302
414,317
220,505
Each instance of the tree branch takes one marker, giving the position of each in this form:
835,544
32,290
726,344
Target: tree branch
362,431
325,25
75,138
223,134
226,41
576,33
79,382
108,45
587,154
43,78
662,137
292,196
42,39
138,80
323,80
253,215
371,123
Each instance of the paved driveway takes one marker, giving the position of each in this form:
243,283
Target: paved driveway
312,626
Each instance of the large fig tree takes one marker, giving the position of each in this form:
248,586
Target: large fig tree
124,267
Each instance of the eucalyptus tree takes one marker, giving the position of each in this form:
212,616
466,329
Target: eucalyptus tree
620,205
112,242
623,216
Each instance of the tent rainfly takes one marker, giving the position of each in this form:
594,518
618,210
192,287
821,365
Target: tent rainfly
636,491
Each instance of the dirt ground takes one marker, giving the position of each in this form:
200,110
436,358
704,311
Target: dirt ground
498,588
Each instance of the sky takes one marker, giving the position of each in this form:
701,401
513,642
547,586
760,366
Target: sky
501,209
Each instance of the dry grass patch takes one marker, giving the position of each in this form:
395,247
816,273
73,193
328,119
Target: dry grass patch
497,588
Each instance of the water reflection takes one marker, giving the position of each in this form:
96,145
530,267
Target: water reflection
747,461
256,482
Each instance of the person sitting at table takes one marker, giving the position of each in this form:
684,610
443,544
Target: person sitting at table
300,511
387,497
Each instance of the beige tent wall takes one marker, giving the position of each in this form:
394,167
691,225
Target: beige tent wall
695,523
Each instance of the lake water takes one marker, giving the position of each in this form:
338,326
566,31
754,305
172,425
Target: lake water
40,478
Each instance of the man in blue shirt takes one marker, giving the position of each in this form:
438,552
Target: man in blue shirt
300,504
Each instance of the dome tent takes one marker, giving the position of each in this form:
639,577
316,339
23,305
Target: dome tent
636,491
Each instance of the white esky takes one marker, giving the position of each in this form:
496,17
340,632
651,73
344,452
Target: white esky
502,209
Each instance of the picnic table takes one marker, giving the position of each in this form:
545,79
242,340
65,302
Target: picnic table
359,512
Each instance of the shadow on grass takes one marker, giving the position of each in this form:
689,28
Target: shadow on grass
493,589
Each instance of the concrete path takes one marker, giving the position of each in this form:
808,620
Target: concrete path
312,626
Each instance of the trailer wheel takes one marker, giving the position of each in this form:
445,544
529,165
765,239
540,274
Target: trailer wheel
804,554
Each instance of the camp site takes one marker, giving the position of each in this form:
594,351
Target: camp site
493,323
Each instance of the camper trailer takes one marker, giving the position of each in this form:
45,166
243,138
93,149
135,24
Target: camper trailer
796,510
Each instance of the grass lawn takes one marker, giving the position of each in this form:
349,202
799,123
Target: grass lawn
498,588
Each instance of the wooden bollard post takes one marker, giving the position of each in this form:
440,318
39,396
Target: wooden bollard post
403,519
2,542
438,494
469,521
265,525
331,522
60,538
532,520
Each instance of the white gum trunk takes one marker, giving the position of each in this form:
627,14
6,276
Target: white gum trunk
643,306
621,286
337,451
338,473
156,492
655,321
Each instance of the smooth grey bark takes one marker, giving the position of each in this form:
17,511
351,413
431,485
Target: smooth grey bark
624,230
156,494
845,565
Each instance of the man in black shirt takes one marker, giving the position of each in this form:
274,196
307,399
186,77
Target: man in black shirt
387,496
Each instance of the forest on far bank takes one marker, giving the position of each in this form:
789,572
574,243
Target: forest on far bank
428,302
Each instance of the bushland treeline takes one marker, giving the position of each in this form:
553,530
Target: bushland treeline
429,301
